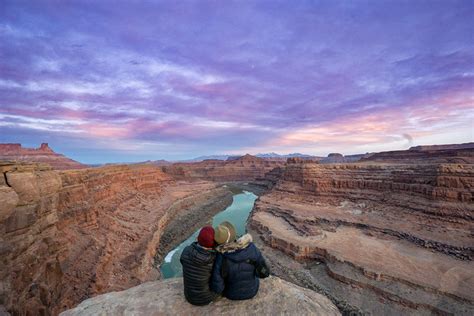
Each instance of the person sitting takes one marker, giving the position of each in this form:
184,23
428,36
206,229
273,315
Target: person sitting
239,265
197,260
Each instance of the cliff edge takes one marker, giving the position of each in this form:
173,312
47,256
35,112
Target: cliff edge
165,297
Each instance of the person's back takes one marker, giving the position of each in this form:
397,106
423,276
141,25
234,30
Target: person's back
235,268
197,261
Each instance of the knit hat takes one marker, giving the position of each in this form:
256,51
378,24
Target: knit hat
224,233
206,237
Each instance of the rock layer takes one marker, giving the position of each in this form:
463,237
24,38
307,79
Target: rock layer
391,228
275,297
43,154
69,235
455,153
245,168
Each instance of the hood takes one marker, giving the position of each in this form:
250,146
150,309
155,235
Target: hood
240,243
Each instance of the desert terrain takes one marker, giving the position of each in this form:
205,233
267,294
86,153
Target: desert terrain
387,234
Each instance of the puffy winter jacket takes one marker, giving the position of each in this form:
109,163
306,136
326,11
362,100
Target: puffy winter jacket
234,275
197,265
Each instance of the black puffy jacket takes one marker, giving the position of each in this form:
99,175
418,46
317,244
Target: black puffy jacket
197,265
234,276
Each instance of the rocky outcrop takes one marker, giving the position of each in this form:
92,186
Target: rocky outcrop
456,153
245,168
43,154
275,297
432,148
339,158
69,235
402,232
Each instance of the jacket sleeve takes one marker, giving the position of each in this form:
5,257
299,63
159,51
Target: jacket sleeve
217,282
261,260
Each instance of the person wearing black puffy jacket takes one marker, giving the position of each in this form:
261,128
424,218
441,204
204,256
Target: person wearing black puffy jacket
197,260
237,269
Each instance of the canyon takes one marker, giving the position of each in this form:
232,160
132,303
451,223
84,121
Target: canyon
70,235
43,154
391,233
378,237
244,168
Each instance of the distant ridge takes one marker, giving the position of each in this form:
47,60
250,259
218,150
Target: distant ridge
43,154
450,153
271,155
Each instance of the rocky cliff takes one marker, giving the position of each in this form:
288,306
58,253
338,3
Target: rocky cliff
245,168
69,235
397,232
43,154
455,153
275,297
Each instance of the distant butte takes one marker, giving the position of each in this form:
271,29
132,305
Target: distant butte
43,154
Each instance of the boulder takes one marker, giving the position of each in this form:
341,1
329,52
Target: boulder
25,185
275,297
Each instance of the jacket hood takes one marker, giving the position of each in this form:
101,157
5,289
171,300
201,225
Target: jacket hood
240,243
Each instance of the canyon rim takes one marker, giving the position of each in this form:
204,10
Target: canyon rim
386,234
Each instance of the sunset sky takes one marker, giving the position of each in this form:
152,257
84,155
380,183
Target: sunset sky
110,81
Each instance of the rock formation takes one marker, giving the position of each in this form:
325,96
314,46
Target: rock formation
339,158
245,168
44,154
69,235
275,297
391,234
402,232
456,153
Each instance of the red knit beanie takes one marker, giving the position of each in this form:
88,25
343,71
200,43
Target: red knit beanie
206,237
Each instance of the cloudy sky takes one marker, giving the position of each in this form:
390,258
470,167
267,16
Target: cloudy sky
128,81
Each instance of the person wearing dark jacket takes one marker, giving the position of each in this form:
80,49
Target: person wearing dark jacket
237,268
197,260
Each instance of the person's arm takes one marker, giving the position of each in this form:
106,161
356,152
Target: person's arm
217,282
264,268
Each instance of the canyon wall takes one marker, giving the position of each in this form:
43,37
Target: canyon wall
454,153
43,154
245,168
400,233
69,235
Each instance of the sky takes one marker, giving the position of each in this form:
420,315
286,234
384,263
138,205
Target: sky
114,81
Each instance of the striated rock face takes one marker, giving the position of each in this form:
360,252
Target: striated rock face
402,232
339,158
456,153
275,297
245,168
69,235
44,154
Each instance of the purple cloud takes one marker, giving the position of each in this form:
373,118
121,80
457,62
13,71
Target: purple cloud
180,79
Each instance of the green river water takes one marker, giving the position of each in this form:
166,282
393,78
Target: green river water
237,213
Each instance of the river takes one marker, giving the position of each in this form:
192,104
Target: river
237,213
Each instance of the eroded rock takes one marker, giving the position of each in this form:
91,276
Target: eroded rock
9,199
43,154
275,297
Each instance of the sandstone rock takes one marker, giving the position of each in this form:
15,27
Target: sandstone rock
397,231
44,154
49,182
22,217
455,153
244,168
275,297
8,201
68,235
25,185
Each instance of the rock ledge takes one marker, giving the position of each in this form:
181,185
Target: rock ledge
165,297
